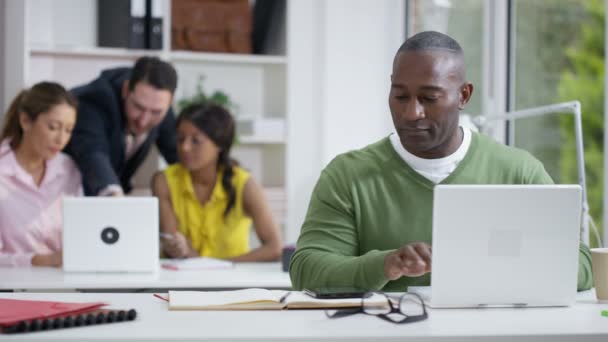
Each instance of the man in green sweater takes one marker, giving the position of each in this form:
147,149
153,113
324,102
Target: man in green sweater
369,220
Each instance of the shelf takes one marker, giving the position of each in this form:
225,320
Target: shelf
92,52
256,140
187,56
260,131
174,56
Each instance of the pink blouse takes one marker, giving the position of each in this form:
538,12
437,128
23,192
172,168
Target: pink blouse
30,215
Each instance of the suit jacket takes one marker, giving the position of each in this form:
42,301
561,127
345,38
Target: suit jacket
98,140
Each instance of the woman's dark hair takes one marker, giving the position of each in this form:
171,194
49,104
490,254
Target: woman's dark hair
218,124
39,99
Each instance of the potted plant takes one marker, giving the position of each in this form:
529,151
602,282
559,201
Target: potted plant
218,97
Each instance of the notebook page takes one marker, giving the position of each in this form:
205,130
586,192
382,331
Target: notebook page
301,300
201,299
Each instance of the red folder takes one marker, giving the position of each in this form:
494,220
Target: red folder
14,310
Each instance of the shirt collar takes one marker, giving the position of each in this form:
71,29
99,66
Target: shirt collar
10,167
218,193
54,168
422,163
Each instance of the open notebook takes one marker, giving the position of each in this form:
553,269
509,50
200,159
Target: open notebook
253,299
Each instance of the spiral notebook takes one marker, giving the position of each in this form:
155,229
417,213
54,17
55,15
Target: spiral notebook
20,316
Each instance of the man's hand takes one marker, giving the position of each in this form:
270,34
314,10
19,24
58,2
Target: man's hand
52,260
411,260
176,245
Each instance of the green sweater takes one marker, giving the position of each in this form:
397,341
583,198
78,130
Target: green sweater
369,202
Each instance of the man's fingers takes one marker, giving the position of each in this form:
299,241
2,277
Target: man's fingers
415,259
393,266
413,271
411,258
424,251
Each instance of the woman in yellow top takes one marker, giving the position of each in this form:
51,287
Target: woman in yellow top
207,202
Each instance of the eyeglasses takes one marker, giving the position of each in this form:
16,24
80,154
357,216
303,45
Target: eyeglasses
409,307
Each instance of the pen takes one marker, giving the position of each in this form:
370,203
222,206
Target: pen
282,300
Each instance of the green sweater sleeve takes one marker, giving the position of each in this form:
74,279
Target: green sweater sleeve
585,280
327,253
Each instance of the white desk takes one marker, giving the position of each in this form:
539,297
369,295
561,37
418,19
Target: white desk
581,322
242,275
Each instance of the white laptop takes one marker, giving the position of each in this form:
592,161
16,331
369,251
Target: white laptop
109,234
504,245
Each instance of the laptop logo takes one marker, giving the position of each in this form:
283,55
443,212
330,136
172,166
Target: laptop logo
505,243
109,235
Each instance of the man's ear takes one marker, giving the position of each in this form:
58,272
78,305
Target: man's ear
466,91
125,89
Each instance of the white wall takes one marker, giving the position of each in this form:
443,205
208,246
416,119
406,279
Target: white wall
80,30
14,48
2,53
361,38
340,59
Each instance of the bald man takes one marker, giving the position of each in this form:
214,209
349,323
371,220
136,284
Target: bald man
369,220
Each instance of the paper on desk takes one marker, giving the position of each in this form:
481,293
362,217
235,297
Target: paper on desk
202,263
254,299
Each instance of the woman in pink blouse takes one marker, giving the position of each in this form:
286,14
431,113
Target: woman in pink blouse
35,175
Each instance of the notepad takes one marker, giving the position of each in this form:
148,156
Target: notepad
15,310
202,263
21,316
254,299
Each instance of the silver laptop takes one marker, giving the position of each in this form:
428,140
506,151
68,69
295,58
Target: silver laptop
108,234
505,245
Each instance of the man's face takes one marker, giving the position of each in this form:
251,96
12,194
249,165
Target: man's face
427,93
146,106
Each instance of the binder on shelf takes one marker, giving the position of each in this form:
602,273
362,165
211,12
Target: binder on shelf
21,316
122,23
154,24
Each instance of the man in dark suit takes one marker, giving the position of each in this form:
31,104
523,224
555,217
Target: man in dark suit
120,115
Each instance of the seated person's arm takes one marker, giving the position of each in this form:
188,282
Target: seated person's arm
90,149
174,243
585,279
327,253
28,259
256,206
53,259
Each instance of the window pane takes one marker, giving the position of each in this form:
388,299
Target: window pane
559,56
463,21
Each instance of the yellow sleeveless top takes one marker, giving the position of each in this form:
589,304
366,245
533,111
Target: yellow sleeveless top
212,234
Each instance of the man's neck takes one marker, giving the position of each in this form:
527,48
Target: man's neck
445,150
